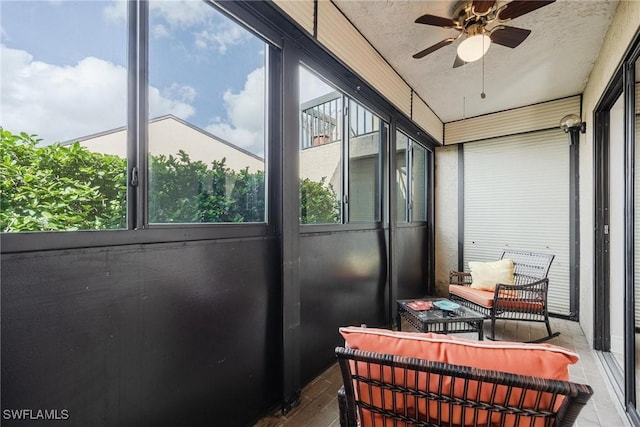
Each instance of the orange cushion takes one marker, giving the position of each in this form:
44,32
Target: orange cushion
485,299
521,306
478,296
540,360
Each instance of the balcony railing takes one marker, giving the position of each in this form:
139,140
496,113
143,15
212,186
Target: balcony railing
321,120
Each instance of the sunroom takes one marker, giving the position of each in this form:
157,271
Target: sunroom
196,195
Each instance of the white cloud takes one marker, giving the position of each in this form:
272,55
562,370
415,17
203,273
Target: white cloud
160,105
180,13
159,31
116,11
221,36
195,16
245,111
183,93
177,13
60,103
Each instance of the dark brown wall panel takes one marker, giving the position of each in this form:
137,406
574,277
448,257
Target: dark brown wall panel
164,334
412,261
185,333
342,282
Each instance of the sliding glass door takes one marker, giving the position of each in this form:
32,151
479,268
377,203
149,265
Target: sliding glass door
616,231
617,236
636,228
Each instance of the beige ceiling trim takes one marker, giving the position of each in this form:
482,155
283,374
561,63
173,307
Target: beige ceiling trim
541,116
300,11
424,117
341,38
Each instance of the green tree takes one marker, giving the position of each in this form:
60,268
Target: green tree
58,187
184,191
174,183
249,196
318,202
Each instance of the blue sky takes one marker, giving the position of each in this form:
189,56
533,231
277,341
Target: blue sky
53,32
64,69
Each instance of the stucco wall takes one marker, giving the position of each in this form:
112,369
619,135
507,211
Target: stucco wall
446,211
322,161
624,26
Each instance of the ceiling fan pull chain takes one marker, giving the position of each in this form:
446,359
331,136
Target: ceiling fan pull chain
483,95
464,93
464,107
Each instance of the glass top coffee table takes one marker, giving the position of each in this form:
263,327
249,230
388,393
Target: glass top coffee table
439,321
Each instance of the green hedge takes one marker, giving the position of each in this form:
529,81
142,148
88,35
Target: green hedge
55,187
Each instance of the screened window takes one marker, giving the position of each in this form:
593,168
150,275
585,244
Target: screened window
66,100
402,183
206,134
411,194
320,150
419,184
340,155
64,106
366,134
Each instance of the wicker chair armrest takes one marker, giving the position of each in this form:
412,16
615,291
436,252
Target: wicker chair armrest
530,292
459,278
538,285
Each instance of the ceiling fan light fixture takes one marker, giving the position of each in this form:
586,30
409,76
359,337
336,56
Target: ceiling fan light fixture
474,47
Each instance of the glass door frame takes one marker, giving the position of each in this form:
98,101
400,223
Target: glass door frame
621,84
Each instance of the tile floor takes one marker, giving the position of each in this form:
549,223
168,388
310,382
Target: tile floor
319,408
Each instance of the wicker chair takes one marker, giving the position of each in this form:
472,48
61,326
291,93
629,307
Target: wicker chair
526,299
385,390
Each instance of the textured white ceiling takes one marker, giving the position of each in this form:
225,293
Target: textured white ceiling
553,62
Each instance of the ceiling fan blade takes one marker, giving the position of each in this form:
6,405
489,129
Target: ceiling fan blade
482,6
437,21
433,48
458,62
509,36
520,7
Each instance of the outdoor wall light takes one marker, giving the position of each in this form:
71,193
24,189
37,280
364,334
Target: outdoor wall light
573,122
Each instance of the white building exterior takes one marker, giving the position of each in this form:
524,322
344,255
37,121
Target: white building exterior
169,134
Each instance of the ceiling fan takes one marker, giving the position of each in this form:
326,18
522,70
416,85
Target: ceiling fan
481,22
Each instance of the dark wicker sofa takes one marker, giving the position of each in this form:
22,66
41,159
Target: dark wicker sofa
526,299
383,390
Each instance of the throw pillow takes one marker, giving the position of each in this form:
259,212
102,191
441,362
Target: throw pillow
485,275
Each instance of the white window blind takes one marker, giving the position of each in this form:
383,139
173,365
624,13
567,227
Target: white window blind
516,194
